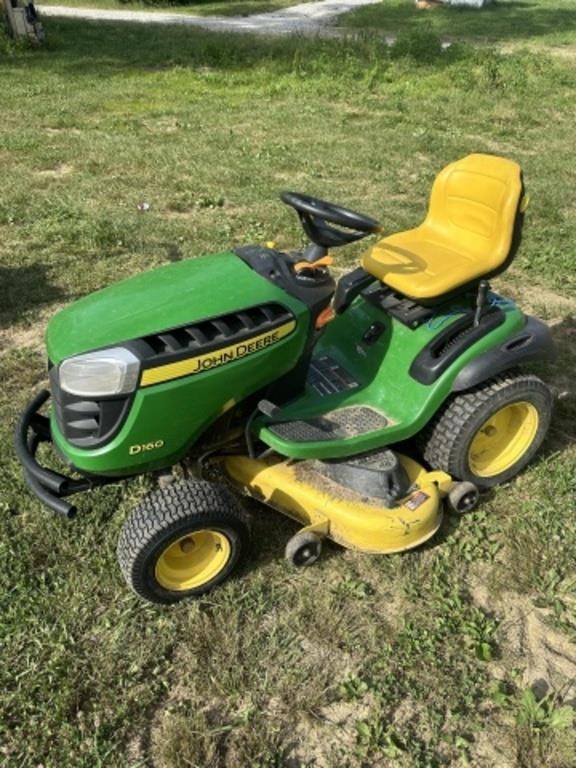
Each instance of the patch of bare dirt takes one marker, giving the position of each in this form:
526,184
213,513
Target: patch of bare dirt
32,337
320,740
62,130
14,338
545,657
493,145
140,746
532,296
562,52
495,749
162,125
62,169
293,177
173,214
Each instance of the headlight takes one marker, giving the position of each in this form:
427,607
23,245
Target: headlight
109,372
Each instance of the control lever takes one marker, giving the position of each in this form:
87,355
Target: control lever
268,409
483,288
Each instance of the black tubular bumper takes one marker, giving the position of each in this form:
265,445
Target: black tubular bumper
48,486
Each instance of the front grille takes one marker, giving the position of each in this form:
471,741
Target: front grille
206,335
87,423
92,423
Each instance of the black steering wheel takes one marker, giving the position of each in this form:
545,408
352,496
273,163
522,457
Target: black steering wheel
317,215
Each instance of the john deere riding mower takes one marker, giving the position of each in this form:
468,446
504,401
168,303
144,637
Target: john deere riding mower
269,379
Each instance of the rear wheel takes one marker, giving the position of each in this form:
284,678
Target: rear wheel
489,434
182,541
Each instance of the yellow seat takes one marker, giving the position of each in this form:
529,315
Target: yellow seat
468,233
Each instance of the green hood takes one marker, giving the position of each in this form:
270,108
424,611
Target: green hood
164,298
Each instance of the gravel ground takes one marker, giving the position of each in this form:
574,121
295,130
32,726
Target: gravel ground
308,18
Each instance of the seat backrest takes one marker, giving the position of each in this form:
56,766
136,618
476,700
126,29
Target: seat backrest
475,202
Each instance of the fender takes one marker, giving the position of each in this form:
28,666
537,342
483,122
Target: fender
533,342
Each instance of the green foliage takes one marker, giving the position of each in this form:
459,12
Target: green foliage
7,44
375,735
422,46
533,22
543,714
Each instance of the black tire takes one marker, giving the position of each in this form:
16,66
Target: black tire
156,541
447,442
303,548
463,498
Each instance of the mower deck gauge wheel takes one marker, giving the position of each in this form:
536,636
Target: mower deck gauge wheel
463,498
303,548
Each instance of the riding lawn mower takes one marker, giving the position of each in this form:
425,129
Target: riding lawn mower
359,408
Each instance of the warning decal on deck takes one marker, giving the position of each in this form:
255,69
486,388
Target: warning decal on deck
416,500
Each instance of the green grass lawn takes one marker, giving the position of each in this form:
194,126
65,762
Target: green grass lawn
535,22
192,8
417,660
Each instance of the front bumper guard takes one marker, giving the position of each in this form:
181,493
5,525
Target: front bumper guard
48,486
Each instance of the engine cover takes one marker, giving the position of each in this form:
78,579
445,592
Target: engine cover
208,333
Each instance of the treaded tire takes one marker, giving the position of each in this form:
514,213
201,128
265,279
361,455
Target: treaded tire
445,442
170,515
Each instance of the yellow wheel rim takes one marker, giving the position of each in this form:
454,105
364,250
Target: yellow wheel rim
503,439
193,560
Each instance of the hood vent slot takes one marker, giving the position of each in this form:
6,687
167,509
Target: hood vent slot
216,332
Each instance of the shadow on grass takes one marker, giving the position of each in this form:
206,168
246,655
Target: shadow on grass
560,375
22,288
497,22
190,4
103,49
232,7
271,531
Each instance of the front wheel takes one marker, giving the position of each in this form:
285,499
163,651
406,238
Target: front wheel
488,434
182,541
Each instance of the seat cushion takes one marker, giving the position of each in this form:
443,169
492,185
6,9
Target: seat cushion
467,233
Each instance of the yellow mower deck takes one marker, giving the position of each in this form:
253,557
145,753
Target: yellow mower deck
299,490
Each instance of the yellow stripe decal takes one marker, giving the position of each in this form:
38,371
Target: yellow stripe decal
217,357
